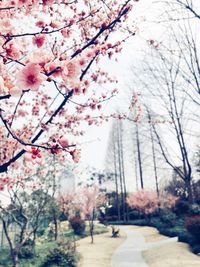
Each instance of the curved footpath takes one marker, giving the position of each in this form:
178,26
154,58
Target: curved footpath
129,254
136,247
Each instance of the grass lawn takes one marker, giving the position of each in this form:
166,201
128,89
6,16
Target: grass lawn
44,245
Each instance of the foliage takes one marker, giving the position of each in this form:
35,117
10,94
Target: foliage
196,248
27,250
167,201
171,232
177,188
134,214
193,226
196,190
194,209
182,207
156,222
61,256
143,201
78,225
168,218
186,237
105,219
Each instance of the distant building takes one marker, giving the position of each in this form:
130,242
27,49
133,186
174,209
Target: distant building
67,181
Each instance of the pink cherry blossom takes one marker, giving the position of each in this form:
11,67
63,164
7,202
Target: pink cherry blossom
63,142
76,153
39,40
30,77
13,50
71,71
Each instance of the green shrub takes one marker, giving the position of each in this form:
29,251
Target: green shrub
182,207
78,225
142,222
171,232
186,238
59,258
156,222
27,250
40,232
194,209
193,227
168,217
196,249
133,215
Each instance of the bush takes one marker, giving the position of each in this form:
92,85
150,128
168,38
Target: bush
196,249
40,232
193,227
155,222
105,219
78,225
133,215
182,207
111,211
27,250
171,232
168,217
194,209
142,222
186,238
60,258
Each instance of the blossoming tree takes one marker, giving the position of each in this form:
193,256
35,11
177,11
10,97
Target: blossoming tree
147,201
144,201
86,201
49,55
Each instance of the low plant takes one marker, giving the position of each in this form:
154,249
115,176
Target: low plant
27,250
194,209
171,232
168,218
193,227
185,237
78,225
63,255
59,258
196,249
182,207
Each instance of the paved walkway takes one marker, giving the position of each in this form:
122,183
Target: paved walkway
129,254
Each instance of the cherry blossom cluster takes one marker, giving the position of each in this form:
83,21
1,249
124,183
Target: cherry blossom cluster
50,53
144,201
85,200
148,201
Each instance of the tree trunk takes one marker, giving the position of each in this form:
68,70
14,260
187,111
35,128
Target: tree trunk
139,157
120,173
189,190
116,180
123,174
55,227
91,225
154,160
15,258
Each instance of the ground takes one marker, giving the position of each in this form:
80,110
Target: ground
166,253
99,254
175,254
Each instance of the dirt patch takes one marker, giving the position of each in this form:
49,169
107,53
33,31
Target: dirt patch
99,254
